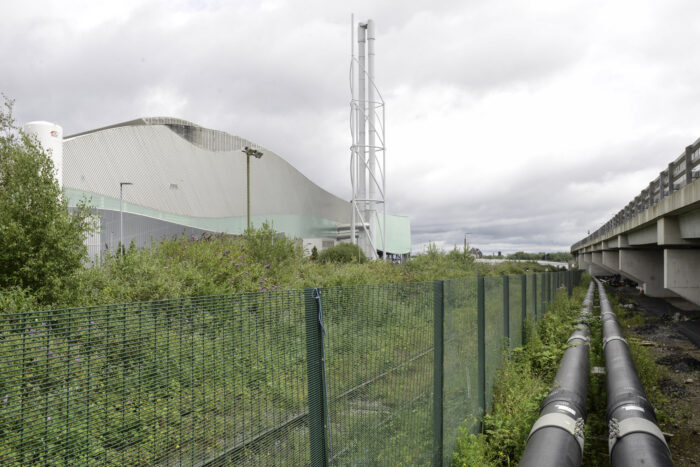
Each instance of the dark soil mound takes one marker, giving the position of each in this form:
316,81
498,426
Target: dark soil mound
680,362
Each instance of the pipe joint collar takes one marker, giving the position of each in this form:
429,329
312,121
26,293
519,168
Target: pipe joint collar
620,429
575,427
586,340
613,338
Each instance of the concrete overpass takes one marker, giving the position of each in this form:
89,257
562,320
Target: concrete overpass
655,239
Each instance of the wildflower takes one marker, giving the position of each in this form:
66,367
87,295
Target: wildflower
48,419
78,360
165,267
4,401
267,266
31,331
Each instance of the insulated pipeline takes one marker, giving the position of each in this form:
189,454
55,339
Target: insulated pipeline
556,438
634,438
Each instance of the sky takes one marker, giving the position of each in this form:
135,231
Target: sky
522,124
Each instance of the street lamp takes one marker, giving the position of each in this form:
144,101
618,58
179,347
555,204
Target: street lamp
257,154
121,214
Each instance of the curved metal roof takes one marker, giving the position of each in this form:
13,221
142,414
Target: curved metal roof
184,169
195,176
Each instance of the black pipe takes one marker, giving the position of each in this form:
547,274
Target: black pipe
556,438
634,438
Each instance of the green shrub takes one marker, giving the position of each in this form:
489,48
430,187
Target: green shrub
41,243
343,253
16,300
266,246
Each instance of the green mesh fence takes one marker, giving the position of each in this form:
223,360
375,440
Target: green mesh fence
515,325
460,392
170,382
531,296
239,379
379,362
494,332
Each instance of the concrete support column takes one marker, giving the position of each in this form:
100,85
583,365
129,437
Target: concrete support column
611,259
647,268
596,267
682,273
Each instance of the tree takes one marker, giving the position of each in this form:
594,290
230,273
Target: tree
41,243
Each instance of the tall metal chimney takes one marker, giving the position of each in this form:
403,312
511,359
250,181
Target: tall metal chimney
367,129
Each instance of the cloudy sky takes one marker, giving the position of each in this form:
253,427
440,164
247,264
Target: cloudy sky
525,124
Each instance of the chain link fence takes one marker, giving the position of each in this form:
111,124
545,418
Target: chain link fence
381,374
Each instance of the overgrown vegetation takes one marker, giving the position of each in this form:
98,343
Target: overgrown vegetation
343,253
521,385
257,261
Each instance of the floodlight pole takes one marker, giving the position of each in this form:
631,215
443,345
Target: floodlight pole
121,214
257,154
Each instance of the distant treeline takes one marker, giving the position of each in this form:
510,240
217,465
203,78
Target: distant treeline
561,256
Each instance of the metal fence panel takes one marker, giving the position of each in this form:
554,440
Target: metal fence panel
460,392
379,364
516,321
530,312
160,383
494,332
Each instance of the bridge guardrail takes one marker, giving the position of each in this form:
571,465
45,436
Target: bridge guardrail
680,172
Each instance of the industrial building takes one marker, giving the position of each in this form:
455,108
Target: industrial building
167,177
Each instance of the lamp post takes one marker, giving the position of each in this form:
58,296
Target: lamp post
121,214
257,154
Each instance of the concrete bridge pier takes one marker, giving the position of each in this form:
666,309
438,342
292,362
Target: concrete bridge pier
682,273
611,260
647,268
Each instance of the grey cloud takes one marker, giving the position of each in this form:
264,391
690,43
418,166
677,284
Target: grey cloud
280,78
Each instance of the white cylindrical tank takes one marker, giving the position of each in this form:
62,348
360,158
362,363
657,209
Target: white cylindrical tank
50,136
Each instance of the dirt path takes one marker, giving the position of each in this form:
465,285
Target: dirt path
671,332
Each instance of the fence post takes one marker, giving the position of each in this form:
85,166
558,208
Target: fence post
314,365
523,307
481,341
569,283
506,308
438,368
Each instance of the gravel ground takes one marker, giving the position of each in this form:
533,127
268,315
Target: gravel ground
671,332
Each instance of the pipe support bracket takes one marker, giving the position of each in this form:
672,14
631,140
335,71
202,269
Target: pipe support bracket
575,427
620,429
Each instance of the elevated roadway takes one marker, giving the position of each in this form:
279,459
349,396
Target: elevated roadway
655,239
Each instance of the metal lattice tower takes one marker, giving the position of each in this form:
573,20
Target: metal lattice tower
367,152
